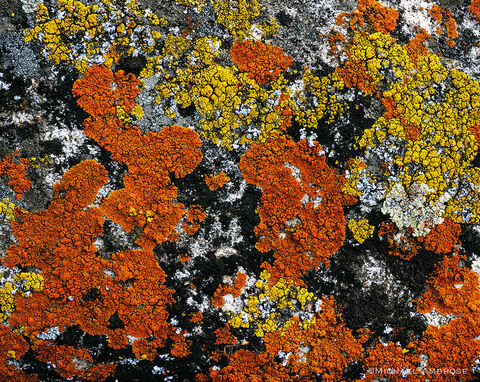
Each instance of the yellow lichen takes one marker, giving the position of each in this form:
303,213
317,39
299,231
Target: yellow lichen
198,4
37,162
361,229
6,301
428,132
23,283
235,15
318,100
288,300
7,209
28,282
74,32
235,109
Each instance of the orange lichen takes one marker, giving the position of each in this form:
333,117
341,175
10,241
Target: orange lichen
246,365
475,130
12,347
333,38
263,63
194,216
404,245
214,182
442,16
301,211
453,290
453,346
416,47
475,8
217,298
43,237
374,14
354,74
180,348
324,348
16,170
235,289
189,27
196,317
301,215
70,362
147,201
412,131
450,289
140,296
216,356
224,336
389,361
144,349
99,92
81,289
443,237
